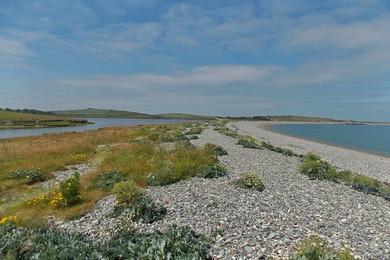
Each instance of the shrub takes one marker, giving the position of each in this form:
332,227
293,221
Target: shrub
142,209
194,131
44,243
216,149
315,248
214,171
228,132
250,181
193,137
107,180
162,174
315,168
127,191
283,151
248,142
30,176
70,190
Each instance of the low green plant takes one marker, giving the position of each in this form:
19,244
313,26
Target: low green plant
70,190
29,176
277,149
316,248
228,132
214,171
250,181
127,191
315,168
194,130
107,180
248,142
217,149
45,243
143,208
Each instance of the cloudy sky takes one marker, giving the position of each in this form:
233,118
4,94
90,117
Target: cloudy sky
216,57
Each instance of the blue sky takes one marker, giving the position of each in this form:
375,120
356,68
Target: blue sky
308,57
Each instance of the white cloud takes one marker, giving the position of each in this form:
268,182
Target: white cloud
208,76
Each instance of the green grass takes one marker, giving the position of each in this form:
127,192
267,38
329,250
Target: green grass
11,119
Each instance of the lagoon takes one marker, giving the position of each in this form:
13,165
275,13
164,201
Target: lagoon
98,123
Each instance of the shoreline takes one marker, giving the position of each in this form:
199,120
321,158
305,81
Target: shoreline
362,162
269,128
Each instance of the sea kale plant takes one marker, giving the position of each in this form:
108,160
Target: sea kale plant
45,243
250,181
214,171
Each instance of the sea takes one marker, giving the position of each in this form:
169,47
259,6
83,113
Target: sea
367,138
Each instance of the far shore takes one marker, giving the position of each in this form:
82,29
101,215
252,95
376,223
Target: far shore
370,164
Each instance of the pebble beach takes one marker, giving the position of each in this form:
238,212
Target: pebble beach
248,224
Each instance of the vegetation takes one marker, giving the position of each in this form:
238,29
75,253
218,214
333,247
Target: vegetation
11,119
107,180
44,243
316,248
70,190
316,168
118,156
248,142
250,181
127,191
142,208
283,151
109,113
214,171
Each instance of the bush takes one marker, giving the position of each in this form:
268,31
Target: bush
107,180
250,181
228,132
248,142
44,243
127,191
216,149
283,151
30,176
315,168
142,209
194,131
70,190
214,171
315,248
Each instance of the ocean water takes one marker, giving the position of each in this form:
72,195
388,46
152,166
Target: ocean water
98,123
368,138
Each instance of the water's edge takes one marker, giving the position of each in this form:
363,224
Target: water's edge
272,128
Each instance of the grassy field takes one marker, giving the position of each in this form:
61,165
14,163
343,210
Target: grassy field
128,153
105,113
11,119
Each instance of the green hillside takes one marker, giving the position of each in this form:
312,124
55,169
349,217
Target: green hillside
102,113
105,113
12,119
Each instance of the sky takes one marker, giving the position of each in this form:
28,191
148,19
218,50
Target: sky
326,58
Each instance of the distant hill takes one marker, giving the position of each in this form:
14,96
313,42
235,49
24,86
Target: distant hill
109,113
287,119
10,119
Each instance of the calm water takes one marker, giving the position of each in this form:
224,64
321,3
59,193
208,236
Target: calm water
369,138
99,123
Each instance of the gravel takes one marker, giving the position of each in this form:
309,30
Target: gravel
371,165
247,224
60,176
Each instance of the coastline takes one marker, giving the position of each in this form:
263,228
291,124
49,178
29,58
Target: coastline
369,164
269,128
